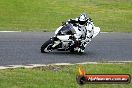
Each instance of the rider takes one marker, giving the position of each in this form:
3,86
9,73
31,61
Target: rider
85,29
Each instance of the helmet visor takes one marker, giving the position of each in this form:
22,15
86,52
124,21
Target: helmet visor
82,22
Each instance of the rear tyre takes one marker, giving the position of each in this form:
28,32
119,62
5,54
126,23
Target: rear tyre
72,50
47,46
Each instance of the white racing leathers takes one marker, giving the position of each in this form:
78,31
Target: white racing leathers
92,31
87,32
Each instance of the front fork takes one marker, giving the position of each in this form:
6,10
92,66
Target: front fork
56,42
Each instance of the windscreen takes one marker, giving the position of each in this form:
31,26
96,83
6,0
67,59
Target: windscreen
66,30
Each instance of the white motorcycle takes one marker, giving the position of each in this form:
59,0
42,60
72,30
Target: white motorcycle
65,40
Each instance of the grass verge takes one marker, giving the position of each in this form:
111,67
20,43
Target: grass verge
60,76
47,15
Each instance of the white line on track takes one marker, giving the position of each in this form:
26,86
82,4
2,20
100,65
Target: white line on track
120,61
39,65
20,31
104,32
10,31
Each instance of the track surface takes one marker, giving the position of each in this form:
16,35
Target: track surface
24,48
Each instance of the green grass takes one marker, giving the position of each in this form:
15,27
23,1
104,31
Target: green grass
47,15
60,76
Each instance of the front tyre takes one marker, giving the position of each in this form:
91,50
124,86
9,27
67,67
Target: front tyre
47,46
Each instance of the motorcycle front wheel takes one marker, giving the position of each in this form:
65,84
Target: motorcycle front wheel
47,46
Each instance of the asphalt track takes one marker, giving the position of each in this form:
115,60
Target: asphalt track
21,48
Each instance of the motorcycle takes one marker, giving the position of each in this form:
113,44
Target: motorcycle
65,40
